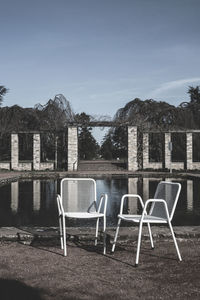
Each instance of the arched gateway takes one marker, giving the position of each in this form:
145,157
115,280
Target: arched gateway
133,152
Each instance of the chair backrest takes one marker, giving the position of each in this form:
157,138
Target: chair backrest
169,191
78,194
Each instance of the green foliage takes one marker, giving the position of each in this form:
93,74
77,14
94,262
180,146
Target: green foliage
3,91
151,115
51,117
87,146
107,147
115,144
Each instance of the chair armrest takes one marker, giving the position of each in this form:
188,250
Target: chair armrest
60,205
105,198
156,201
127,196
94,203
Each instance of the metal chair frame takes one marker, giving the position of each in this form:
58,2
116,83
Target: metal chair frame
82,215
149,218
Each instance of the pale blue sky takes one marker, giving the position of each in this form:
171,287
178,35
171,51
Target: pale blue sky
99,54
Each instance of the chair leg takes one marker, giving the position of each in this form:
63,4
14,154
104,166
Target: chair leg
116,235
61,232
175,242
97,229
150,235
64,237
138,244
104,235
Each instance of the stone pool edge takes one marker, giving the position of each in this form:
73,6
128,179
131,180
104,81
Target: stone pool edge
10,176
29,235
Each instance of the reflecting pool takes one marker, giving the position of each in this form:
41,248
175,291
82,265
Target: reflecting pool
33,202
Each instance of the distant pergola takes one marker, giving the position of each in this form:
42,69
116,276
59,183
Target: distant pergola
132,155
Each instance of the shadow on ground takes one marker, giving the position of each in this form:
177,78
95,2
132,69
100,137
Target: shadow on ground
11,289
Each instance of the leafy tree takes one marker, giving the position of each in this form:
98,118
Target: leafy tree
160,116
3,91
51,117
106,149
194,94
191,109
87,145
120,141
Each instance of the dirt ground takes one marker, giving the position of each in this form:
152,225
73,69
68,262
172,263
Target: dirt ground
40,272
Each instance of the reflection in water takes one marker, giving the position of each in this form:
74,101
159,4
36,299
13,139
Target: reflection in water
14,196
34,202
189,195
132,205
36,195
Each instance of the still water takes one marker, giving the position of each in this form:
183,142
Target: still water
33,202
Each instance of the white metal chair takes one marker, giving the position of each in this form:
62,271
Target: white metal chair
161,212
78,200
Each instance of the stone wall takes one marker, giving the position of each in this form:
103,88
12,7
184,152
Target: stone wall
190,164
132,148
37,164
146,163
72,148
5,165
168,159
15,164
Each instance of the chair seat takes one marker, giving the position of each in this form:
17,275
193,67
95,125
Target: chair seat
147,219
83,215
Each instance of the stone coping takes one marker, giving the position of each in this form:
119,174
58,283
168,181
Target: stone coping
8,176
31,234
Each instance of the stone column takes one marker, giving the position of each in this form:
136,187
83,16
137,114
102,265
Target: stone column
14,151
145,150
37,165
132,148
189,150
36,151
56,152
167,151
72,148
15,165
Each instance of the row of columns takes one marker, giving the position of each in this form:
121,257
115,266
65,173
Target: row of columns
27,166
36,164
15,196
73,153
190,165
133,205
167,163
